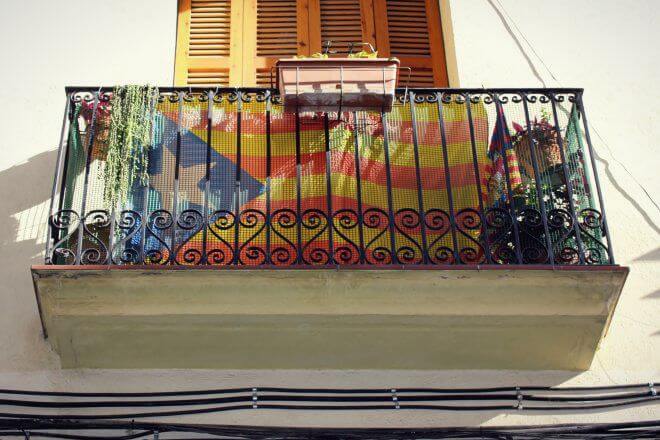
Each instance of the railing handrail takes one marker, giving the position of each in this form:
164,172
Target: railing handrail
399,90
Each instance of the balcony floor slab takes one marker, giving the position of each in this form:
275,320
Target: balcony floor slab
429,317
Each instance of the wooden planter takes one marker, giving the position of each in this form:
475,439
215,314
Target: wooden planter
337,84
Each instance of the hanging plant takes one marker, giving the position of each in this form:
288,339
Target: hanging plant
132,113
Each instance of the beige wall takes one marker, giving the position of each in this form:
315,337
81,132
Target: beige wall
596,44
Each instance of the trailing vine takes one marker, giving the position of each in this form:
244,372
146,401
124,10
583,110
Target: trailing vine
132,113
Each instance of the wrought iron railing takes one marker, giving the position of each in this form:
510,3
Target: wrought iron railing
450,176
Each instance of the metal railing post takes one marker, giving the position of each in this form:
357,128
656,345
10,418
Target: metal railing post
60,176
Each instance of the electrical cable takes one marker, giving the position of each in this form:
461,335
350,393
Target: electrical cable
218,409
47,429
328,399
401,397
318,390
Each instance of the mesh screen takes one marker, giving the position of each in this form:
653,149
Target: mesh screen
434,181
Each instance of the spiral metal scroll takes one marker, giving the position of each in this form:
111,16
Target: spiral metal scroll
127,225
438,227
499,227
591,228
255,222
407,223
220,250
375,250
562,233
190,251
95,237
346,224
533,245
316,222
470,225
158,226
64,223
283,224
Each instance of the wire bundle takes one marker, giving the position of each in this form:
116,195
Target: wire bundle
160,431
85,406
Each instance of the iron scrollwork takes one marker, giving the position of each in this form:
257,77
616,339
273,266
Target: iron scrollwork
529,230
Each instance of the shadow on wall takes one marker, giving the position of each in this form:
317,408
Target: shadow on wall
25,196
654,255
653,295
25,192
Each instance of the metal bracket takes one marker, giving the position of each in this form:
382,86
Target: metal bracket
652,389
520,398
326,48
254,398
351,46
395,399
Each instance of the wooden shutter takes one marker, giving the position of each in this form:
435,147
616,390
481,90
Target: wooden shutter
276,37
203,52
411,31
346,21
237,42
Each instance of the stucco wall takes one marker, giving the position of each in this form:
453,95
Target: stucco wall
596,44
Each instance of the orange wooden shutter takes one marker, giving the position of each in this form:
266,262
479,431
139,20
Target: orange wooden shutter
203,47
237,42
346,21
411,30
276,37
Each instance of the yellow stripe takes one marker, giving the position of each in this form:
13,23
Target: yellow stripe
372,193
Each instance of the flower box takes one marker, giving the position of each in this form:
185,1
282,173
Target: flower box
337,84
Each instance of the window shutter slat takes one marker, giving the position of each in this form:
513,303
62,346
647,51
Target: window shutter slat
411,31
277,37
276,28
341,22
203,42
408,36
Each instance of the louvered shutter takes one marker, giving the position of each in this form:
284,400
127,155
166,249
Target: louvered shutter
277,37
411,30
346,21
203,42
237,42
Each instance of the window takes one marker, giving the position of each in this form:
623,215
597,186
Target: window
237,42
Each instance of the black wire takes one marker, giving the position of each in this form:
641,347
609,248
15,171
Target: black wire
400,395
299,398
631,430
261,398
317,390
216,409
154,394
77,437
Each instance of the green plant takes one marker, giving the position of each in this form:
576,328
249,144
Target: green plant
132,113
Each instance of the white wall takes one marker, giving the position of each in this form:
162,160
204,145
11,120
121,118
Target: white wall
605,46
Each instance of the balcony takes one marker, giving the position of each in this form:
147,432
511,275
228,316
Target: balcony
463,229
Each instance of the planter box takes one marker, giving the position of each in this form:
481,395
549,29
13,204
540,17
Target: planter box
329,85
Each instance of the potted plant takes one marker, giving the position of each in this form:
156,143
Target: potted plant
544,137
360,81
101,126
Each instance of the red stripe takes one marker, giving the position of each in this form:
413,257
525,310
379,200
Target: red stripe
343,162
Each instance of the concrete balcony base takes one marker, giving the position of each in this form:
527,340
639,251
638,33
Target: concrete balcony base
511,317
